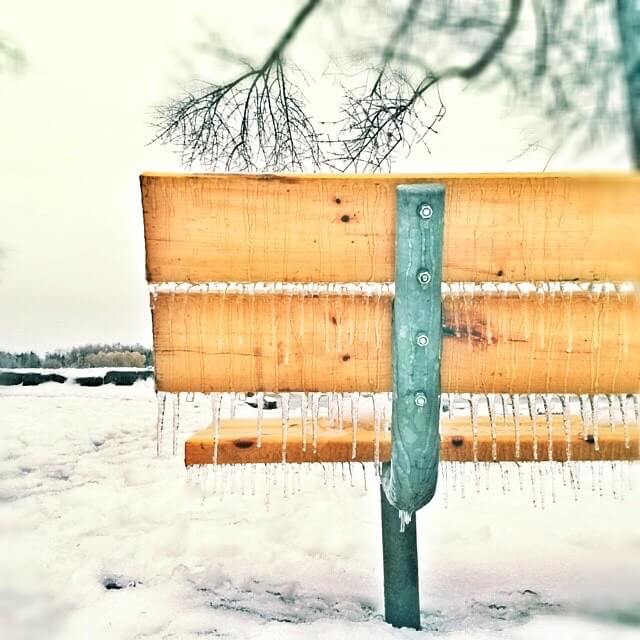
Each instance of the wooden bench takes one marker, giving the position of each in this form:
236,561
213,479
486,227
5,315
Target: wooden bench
286,284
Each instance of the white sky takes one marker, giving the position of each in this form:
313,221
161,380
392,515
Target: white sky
74,133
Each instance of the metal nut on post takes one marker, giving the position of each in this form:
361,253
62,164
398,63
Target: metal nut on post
424,277
422,340
425,211
420,399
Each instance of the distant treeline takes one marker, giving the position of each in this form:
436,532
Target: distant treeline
90,355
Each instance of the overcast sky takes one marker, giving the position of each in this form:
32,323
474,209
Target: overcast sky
74,137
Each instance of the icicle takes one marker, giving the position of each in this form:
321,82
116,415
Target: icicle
216,403
162,403
315,410
284,406
285,478
454,476
504,475
267,483
614,493
595,421
566,424
330,409
388,412
355,400
260,418
533,486
445,483
531,404
405,519
600,478
176,422
304,409
298,479
612,422
376,427
452,409
574,480
515,410
491,408
340,401
584,402
233,399
520,468
549,423
625,421
364,475
487,476
473,408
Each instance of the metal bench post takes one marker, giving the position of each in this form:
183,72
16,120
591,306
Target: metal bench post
409,480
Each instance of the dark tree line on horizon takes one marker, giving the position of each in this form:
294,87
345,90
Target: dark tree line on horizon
90,355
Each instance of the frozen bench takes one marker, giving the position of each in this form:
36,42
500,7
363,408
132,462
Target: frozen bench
508,285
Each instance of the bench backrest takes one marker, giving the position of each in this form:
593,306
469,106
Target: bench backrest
265,232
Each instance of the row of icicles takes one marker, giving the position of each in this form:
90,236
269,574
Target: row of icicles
537,409
545,481
527,411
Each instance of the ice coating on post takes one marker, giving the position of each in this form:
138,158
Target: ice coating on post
409,480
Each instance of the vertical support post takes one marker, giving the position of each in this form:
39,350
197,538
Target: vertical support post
400,562
409,480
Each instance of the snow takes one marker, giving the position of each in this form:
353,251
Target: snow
101,539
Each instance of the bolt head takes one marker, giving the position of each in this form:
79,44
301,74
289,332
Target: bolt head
425,211
422,339
424,277
420,399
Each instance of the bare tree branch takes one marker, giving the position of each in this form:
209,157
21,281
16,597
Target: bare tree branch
387,118
567,65
256,121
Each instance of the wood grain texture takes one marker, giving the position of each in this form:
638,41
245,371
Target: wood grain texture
491,344
238,442
253,228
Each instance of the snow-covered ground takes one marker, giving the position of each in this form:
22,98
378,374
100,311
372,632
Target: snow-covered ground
101,539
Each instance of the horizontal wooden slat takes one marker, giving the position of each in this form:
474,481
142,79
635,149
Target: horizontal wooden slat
253,228
493,343
238,442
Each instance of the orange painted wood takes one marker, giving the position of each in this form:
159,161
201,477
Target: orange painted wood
238,442
492,343
340,228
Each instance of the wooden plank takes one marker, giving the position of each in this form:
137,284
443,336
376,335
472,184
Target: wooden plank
256,228
492,343
238,442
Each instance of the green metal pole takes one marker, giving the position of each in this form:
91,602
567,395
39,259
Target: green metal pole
409,480
400,559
